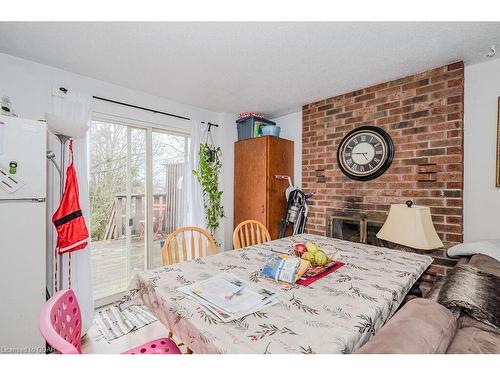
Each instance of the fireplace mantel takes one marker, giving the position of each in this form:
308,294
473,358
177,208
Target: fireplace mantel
363,226
367,223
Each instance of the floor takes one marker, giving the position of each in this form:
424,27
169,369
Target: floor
109,277
94,343
109,271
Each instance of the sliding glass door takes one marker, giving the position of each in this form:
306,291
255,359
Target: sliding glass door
136,200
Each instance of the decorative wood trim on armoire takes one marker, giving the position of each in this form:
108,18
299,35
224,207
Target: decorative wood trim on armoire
257,194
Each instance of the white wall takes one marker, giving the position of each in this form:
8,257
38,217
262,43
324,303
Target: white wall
291,128
227,137
481,197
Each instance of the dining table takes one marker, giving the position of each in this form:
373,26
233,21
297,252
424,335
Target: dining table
336,314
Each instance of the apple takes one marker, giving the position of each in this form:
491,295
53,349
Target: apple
299,249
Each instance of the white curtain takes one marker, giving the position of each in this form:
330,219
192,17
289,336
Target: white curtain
74,110
193,200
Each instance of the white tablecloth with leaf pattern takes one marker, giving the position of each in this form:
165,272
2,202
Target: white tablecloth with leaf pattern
336,314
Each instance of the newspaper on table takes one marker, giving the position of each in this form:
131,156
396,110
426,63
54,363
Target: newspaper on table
228,297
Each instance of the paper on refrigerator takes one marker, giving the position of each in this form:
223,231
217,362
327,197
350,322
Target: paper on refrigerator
9,183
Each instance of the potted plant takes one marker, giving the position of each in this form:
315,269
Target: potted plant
208,177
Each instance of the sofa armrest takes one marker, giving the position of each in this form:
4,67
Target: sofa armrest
420,327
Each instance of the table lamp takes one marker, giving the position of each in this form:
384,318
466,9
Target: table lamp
410,226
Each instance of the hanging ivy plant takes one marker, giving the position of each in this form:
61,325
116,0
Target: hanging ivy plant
208,176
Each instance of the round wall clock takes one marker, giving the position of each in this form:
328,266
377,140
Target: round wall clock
365,153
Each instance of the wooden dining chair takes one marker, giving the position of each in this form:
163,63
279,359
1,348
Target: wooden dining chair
248,233
187,243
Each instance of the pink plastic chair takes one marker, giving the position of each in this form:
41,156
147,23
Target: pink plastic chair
60,323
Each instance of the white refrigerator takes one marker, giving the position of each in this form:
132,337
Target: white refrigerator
23,217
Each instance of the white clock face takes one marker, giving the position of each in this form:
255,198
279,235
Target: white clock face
363,153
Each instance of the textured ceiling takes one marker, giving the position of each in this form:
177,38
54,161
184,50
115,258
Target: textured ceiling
272,68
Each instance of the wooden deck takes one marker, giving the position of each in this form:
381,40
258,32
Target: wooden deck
109,274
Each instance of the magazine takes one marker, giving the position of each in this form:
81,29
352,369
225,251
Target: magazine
228,297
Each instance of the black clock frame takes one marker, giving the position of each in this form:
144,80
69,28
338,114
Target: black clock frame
385,166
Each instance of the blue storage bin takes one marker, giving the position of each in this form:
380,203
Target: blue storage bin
249,127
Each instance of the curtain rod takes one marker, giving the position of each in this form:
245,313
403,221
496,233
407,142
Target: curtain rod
142,108
65,90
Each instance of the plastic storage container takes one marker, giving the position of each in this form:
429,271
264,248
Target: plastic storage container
250,127
271,130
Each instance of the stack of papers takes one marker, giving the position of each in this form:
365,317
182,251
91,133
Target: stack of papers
228,297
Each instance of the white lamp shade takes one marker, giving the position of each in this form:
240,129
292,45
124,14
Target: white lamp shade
410,226
62,126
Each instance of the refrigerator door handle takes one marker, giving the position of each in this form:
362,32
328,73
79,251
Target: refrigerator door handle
34,200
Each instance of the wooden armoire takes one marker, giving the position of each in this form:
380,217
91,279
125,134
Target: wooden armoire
257,194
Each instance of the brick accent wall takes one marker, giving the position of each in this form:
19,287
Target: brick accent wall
423,114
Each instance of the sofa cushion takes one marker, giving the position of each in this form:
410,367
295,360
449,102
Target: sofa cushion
421,327
486,264
467,321
473,340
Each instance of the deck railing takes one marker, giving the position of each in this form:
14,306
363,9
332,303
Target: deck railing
167,209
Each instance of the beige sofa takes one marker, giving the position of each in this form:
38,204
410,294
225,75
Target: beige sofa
423,326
